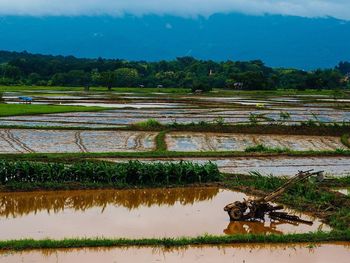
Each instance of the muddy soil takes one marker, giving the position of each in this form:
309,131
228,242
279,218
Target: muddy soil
194,142
297,253
64,141
131,213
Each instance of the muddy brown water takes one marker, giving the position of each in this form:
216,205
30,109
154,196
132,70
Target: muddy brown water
240,253
130,213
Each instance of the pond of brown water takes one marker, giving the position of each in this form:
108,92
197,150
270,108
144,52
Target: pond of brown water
294,253
130,213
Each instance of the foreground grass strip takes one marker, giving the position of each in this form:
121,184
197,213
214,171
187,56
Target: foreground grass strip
175,242
30,109
167,154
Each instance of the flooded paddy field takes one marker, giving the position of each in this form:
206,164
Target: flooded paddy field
275,165
174,212
70,141
293,253
181,115
131,108
61,141
192,142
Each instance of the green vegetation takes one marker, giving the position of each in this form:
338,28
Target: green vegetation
72,157
345,139
148,124
30,109
133,173
175,242
264,149
271,128
160,142
29,69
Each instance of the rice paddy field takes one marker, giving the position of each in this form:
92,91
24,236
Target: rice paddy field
144,176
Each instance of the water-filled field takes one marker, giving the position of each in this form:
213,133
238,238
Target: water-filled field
62,141
133,108
292,253
135,213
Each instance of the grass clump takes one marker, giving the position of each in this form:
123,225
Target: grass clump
345,139
148,124
260,148
30,109
133,173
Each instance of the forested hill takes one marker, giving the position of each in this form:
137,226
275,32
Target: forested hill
280,41
32,69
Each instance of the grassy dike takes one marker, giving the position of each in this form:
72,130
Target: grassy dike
33,109
73,157
316,237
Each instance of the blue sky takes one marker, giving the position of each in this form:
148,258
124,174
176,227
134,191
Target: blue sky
305,8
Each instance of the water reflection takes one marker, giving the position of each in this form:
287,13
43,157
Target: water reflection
19,204
235,227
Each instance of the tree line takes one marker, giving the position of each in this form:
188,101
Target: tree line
22,68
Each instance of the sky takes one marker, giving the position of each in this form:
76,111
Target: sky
339,9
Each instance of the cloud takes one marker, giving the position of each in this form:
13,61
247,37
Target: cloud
305,8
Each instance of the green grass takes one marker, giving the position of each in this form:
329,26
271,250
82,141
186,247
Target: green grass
260,148
160,142
345,139
30,109
71,157
149,124
175,242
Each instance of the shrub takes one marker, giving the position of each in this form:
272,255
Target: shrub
149,124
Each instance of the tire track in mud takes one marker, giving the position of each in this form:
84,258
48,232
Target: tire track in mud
138,144
126,143
6,139
79,142
329,143
209,143
18,142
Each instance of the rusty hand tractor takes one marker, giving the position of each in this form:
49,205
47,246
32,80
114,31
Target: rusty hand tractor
252,210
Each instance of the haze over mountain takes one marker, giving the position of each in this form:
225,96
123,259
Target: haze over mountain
152,30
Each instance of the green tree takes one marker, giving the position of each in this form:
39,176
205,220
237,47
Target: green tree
126,77
108,79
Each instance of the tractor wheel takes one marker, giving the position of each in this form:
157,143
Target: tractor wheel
236,214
